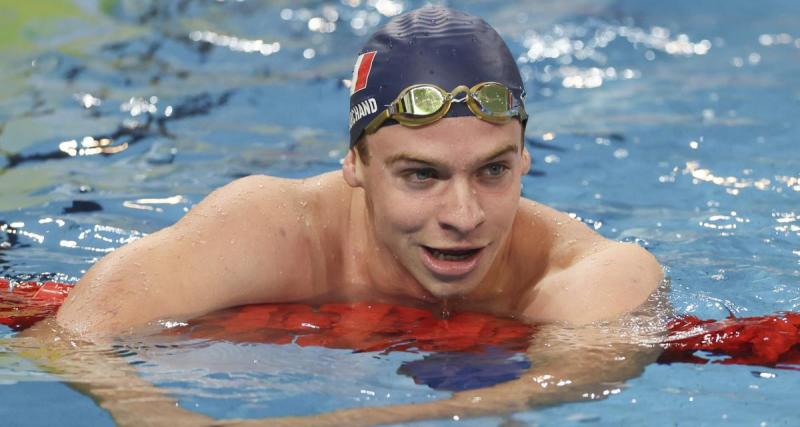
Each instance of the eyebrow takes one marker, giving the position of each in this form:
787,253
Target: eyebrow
406,157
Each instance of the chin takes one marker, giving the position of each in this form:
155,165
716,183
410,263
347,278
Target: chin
446,290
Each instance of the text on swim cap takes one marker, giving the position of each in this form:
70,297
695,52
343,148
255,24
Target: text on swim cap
362,109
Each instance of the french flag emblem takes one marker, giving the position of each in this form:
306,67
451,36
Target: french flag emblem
361,71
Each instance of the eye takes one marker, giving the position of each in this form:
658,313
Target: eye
422,175
494,170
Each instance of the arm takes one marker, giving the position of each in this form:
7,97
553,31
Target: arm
242,244
569,363
603,280
249,242
95,370
586,276
591,278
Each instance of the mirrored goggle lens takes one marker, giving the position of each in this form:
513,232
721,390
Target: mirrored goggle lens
494,99
422,101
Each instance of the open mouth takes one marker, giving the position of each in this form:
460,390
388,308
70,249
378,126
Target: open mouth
451,264
452,254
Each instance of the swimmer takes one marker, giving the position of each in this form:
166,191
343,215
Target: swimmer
426,211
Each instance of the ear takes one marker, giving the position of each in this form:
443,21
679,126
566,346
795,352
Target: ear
353,169
526,160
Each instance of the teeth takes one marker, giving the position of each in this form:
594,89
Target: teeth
451,256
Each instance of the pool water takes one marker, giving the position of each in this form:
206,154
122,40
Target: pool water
669,124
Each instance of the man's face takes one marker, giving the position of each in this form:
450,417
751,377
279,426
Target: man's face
443,197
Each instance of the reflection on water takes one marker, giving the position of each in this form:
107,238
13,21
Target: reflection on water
565,47
230,369
672,125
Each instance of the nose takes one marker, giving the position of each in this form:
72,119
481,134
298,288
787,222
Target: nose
461,211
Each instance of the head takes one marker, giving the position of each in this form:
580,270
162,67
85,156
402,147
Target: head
442,197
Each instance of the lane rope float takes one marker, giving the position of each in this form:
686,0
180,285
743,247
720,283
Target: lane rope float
770,340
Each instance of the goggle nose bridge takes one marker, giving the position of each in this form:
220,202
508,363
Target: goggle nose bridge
457,91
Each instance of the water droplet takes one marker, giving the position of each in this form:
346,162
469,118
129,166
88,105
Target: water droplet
444,311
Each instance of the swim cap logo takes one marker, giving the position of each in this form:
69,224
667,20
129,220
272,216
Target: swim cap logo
363,109
361,71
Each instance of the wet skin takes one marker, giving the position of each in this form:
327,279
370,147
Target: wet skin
440,203
434,215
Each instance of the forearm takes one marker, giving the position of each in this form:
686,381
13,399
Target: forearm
370,416
557,376
568,364
520,395
96,370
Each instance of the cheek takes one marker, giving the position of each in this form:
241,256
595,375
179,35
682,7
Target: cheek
403,212
394,210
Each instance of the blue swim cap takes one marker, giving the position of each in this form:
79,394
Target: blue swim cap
434,45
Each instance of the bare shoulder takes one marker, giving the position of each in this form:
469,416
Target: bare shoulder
248,211
561,237
588,277
250,194
273,220
260,203
253,240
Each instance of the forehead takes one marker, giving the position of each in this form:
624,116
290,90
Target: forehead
450,140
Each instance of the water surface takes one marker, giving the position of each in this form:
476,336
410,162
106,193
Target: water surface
668,124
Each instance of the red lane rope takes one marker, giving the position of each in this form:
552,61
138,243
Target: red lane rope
25,303
360,327
772,340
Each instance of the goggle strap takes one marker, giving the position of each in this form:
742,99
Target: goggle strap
376,123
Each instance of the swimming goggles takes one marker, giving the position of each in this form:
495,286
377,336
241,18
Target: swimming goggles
422,104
